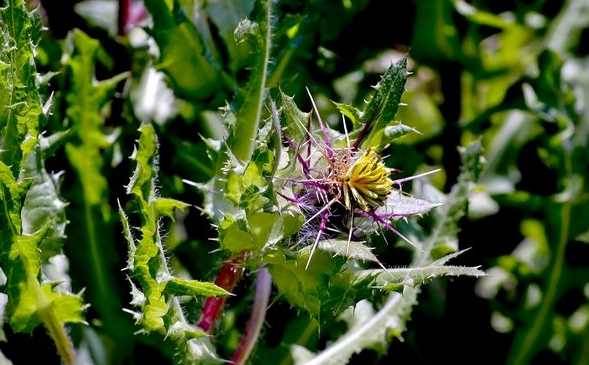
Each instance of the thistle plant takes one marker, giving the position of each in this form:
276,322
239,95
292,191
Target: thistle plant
306,200
32,220
157,290
341,181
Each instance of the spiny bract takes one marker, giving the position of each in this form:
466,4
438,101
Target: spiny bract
339,186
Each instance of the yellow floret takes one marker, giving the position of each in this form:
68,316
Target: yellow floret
369,181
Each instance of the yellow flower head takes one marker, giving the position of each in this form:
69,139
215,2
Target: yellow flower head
368,180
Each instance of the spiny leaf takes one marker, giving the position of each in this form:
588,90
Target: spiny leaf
418,274
370,332
8,181
354,250
383,105
295,121
44,209
179,286
86,100
87,142
128,236
142,184
157,288
167,206
36,224
323,289
401,205
351,112
20,103
393,132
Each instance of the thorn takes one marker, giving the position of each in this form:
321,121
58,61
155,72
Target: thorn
409,178
350,235
404,238
346,131
320,211
313,249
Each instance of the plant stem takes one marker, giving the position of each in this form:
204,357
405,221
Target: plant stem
254,324
243,141
228,276
583,355
522,353
124,16
55,329
58,334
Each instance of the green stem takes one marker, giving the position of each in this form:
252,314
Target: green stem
583,356
95,254
58,334
55,328
248,118
522,354
4,198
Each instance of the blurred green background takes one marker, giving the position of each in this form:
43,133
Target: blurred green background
513,73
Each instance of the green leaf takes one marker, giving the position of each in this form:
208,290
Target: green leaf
43,210
9,182
419,275
156,290
351,112
354,250
143,178
86,100
167,206
401,205
393,132
91,234
128,237
383,105
20,102
29,298
295,121
265,228
184,58
372,331
323,289
227,14
236,238
66,307
37,223
178,286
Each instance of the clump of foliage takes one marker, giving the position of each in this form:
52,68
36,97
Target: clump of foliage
156,298
33,216
288,174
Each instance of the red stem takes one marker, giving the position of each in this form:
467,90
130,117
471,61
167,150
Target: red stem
228,276
130,15
124,15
